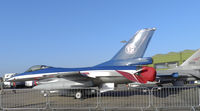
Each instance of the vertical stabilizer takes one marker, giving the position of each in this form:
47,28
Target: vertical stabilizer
194,60
136,46
132,52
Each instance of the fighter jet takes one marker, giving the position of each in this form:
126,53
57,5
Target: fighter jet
124,67
188,71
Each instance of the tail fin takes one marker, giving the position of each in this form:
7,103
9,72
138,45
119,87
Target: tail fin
133,51
136,46
194,60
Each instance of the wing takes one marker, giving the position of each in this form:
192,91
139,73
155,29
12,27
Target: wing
177,73
170,76
65,80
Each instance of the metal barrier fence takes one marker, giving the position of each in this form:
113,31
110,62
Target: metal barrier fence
65,99
174,97
139,97
22,99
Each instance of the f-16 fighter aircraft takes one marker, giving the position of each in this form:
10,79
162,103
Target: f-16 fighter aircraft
124,67
188,71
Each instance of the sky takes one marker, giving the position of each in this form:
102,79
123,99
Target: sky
79,33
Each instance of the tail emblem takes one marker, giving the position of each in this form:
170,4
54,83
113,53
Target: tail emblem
130,49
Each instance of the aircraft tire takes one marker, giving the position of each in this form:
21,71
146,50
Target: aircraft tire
78,95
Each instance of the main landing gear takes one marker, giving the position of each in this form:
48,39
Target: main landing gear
78,95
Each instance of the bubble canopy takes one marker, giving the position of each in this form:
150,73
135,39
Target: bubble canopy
37,67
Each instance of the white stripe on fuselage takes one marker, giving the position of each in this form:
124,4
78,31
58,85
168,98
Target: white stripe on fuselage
104,73
31,76
92,74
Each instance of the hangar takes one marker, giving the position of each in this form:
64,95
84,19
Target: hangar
171,59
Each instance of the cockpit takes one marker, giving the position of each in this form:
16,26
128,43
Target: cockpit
37,67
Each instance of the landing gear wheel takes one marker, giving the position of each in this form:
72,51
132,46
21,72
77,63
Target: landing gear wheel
45,94
78,95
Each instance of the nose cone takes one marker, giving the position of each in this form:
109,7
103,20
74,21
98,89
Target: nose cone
148,73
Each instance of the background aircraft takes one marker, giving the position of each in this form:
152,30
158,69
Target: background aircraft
188,71
124,67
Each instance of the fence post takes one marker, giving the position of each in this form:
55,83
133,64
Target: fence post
150,98
47,99
1,92
98,99
199,95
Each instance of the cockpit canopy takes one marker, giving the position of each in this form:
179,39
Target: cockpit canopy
37,67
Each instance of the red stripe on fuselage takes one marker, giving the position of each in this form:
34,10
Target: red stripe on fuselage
131,77
128,76
35,83
140,79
